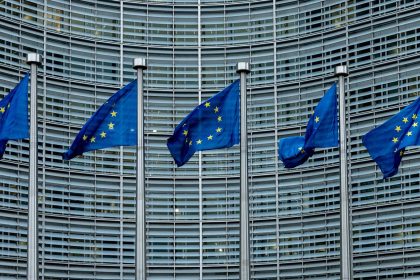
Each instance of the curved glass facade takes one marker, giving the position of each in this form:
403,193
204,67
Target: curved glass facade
86,218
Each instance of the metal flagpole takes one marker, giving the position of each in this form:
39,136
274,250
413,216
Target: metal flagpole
140,64
243,70
33,60
341,72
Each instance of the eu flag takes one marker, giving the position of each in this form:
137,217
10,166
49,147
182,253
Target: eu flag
113,124
387,142
213,124
14,115
321,132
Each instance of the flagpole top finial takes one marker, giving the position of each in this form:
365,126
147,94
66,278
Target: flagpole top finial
242,67
139,62
341,70
33,58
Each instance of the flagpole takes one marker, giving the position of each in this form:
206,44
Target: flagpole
139,64
243,70
341,72
33,60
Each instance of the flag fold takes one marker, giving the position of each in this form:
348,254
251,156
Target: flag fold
386,143
321,132
113,124
14,114
214,124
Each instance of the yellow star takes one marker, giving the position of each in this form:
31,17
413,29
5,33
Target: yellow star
2,109
190,143
401,153
219,129
317,119
185,132
405,120
414,116
103,134
85,137
219,118
409,133
92,139
302,151
199,141
398,128
207,104
415,124
113,114
395,139
111,125
210,137
216,109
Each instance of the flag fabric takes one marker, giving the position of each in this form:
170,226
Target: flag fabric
386,143
214,124
321,132
113,124
14,114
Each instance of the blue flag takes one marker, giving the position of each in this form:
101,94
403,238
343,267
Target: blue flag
113,124
14,115
214,124
387,142
321,132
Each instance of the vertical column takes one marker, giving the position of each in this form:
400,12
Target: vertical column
33,60
341,72
243,70
140,263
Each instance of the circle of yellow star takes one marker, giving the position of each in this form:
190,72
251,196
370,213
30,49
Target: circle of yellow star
210,137
85,137
395,139
409,133
219,129
398,128
2,110
219,118
207,104
317,119
113,114
199,141
111,125
216,109
405,120
92,139
185,132
103,134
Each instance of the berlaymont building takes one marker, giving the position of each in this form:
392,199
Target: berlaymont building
87,205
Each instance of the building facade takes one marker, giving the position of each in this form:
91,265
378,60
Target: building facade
86,206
